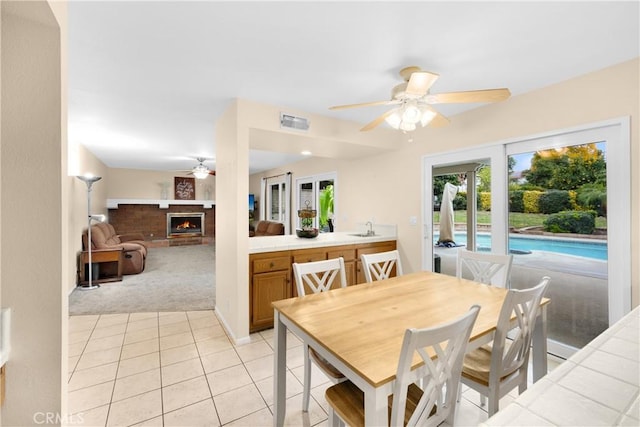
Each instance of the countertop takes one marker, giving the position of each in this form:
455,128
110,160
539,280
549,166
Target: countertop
288,242
598,385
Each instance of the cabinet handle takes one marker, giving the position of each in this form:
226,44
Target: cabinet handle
309,260
271,265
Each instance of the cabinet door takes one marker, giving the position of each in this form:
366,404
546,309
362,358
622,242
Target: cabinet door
266,288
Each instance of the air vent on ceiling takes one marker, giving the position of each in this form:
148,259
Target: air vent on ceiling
288,121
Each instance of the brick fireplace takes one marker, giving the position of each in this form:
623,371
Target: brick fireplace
151,221
184,224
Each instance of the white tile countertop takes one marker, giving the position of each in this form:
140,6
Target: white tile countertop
598,385
262,244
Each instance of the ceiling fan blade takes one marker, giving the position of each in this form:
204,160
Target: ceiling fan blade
420,82
365,104
487,95
377,121
438,119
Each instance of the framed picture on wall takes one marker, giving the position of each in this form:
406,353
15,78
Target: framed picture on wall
185,188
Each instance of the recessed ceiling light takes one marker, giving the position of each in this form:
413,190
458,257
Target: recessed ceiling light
306,153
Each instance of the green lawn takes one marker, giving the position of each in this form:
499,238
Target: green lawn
516,219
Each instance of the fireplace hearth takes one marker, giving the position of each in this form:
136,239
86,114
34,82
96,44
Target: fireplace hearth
188,224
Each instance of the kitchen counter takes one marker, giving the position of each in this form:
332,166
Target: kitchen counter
598,385
263,244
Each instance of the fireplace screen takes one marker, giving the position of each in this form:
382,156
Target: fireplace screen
185,224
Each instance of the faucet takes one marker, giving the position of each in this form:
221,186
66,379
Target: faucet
370,231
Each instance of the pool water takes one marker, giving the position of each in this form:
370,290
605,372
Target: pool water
596,249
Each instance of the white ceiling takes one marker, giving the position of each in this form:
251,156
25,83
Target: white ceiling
148,80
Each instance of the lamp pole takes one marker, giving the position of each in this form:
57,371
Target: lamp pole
89,180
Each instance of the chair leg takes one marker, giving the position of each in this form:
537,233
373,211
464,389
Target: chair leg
334,420
307,380
494,400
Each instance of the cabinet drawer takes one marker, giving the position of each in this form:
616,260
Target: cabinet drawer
271,264
347,254
309,257
376,249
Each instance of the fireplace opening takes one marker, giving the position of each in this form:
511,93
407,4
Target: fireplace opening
185,224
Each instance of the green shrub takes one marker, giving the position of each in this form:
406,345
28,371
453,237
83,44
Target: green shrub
580,222
554,201
460,201
593,196
573,199
531,201
484,201
516,203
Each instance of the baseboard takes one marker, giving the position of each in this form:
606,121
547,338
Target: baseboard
225,325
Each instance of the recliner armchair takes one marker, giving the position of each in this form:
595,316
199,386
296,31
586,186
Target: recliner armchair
104,237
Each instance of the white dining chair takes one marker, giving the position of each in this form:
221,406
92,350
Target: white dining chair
441,350
318,276
495,369
380,265
485,267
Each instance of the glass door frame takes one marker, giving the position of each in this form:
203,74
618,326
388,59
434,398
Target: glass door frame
284,199
495,154
616,133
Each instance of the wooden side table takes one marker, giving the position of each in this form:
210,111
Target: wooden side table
109,263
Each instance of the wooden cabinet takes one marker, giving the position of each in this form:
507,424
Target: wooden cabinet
270,280
107,262
271,276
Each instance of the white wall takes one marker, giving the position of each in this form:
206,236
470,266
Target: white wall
145,184
389,186
31,205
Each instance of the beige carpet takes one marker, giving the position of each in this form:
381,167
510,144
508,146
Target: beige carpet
178,278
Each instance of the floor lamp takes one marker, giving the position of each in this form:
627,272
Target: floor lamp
89,180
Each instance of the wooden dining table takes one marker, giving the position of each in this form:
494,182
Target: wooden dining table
359,329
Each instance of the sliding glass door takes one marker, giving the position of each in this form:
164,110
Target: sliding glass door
556,206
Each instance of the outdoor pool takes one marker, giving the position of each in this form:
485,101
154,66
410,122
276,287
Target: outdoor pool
596,249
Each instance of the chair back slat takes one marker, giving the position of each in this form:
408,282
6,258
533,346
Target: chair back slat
380,265
525,303
319,276
441,350
488,268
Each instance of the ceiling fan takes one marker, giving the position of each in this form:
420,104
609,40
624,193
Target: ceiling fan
415,100
200,171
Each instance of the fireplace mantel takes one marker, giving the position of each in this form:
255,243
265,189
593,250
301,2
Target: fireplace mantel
163,204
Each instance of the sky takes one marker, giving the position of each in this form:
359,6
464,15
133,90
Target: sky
523,160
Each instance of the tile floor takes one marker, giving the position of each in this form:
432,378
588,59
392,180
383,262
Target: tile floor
181,369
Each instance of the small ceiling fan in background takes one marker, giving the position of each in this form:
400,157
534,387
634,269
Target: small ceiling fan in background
415,100
200,171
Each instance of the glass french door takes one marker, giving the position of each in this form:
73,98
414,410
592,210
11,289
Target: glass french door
277,195
590,288
318,193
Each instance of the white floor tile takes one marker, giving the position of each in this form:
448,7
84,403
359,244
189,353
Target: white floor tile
185,393
238,403
201,414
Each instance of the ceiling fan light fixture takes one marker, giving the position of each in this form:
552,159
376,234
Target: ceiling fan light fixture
201,172
394,119
407,127
411,114
427,116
